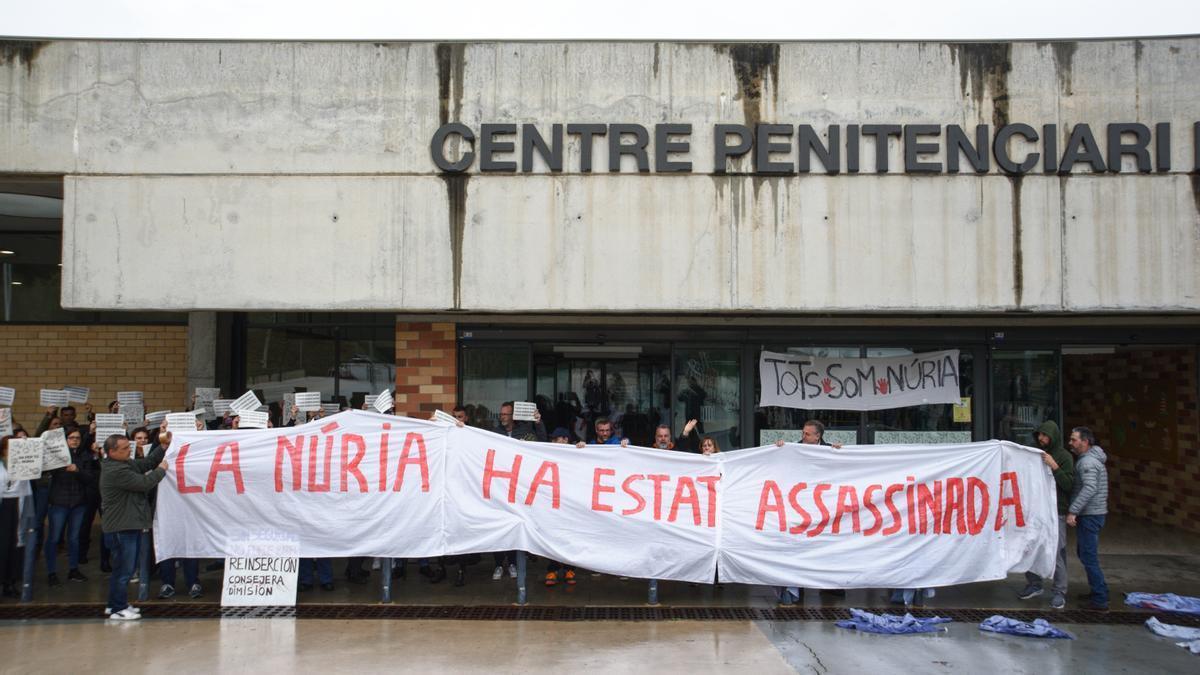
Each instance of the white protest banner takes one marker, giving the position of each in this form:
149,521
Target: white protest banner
308,401
221,406
384,402
263,573
523,411
7,394
25,457
247,401
185,421
886,516
52,398
130,398
77,394
204,399
135,415
251,419
363,484
819,383
443,416
55,453
155,418
6,424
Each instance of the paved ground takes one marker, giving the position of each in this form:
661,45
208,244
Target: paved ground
496,647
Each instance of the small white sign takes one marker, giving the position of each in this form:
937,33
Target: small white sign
184,421
247,401
52,398
135,415
155,418
6,428
221,406
308,401
331,408
204,398
383,402
109,419
7,394
77,394
289,400
523,411
25,458
130,398
263,574
443,416
252,419
102,433
55,453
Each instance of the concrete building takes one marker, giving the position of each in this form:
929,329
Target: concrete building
346,217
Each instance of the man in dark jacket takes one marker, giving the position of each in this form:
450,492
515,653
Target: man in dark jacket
1089,505
124,484
1062,466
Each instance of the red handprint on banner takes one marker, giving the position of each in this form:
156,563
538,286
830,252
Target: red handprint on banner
827,385
882,385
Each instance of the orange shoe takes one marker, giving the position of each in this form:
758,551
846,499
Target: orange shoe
570,577
552,578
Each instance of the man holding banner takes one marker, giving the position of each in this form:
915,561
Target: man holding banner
124,485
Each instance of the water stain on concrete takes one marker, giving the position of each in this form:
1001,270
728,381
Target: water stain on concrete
22,52
753,64
450,63
983,67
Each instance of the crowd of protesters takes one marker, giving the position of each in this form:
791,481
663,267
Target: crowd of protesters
116,477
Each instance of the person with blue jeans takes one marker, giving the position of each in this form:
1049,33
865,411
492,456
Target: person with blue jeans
68,503
324,573
124,484
1089,505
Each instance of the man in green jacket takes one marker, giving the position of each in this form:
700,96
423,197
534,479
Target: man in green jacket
124,484
1062,465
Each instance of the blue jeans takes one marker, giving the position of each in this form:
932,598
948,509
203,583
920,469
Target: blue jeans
41,505
70,518
123,546
191,571
324,570
1087,546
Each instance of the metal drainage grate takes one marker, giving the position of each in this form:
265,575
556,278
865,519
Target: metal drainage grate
549,613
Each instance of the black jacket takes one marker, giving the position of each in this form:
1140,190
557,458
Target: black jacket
70,488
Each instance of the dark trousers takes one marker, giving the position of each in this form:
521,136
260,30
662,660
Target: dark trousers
123,545
10,553
505,558
1087,546
41,506
191,571
324,570
70,519
85,531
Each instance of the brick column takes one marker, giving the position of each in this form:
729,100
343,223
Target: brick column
426,368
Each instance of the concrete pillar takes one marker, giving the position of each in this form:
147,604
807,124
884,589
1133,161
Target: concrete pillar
201,351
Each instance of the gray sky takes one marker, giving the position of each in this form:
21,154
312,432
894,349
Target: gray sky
601,19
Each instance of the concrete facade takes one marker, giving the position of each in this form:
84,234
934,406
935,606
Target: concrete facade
299,175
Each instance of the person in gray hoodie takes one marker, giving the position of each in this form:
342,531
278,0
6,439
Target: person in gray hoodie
1062,466
1089,505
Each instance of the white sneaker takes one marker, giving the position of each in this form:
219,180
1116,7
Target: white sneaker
125,615
375,565
136,610
497,573
512,571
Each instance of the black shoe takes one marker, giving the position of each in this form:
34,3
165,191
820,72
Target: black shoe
105,567
304,588
460,577
438,576
75,575
328,585
83,560
425,571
